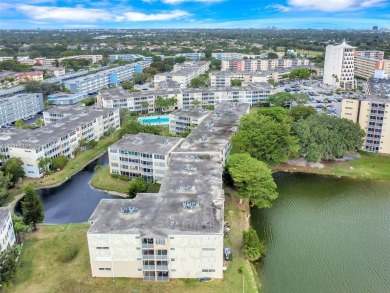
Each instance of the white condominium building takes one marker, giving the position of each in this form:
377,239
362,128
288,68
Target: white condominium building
21,106
7,233
177,233
63,130
186,120
144,102
143,154
110,77
227,56
182,74
370,54
262,64
339,66
93,58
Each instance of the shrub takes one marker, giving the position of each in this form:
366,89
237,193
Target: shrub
59,162
68,253
252,248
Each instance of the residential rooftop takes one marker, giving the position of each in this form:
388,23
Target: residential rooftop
147,143
191,113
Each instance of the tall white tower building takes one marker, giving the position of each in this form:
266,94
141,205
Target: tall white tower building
339,66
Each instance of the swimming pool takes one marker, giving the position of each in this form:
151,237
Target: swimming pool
154,120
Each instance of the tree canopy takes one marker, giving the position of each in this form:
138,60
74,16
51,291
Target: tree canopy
283,98
252,179
32,207
300,73
132,126
302,112
14,168
323,137
266,136
163,104
252,248
235,82
137,185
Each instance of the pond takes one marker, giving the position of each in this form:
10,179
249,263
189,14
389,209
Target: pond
75,200
326,234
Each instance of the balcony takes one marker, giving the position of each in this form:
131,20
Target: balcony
147,245
161,257
147,256
148,268
162,268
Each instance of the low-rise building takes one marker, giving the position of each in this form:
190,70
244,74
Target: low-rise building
93,58
63,130
177,233
127,57
262,64
7,233
65,98
186,120
56,71
227,56
192,56
20,106
143,154
365,67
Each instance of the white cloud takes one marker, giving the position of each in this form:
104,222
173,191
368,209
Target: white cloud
328,5
182,1
81,14
137,16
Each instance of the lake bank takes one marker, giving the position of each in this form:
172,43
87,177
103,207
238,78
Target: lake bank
368,166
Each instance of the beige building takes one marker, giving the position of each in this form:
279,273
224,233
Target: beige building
373,115
365,67
339,66
179,232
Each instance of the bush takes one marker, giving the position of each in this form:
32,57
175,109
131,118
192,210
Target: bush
136,186
68,253
59,162
120,177
252,248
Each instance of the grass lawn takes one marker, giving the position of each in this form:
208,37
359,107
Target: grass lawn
369,166
73,166
42,270
103,181
309,52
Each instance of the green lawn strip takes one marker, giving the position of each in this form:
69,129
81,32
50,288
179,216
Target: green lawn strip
73,166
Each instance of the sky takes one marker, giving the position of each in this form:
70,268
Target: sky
70,14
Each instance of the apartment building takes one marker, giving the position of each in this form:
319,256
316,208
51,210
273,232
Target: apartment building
370,54
227,56
339,66
20,106
177,233
186,120
252,94
365,67
262,64
127,57
7,233
39,60
93,58
63,130
143,154
192,56
110,77
56,71
10,79
12,91
182,74
28,76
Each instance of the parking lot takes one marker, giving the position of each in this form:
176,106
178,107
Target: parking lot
321,99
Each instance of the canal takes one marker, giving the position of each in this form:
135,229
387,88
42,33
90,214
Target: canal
75,200
326,234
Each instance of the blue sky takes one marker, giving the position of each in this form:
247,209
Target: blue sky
339,14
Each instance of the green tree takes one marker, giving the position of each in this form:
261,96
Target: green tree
5,183
132,126
252,248
252,179
235,82
45,88
280,99
140,78
127,85
9,265
164,104
20,228
180,59
19,123
150,70
39,122
301,98
144,105
302,112
32,207
272,55
195,103
97,169
59,162
14,169
137,185
300,73
44,164
266,136
323,137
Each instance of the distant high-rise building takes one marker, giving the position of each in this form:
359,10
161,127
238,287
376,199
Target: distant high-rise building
375,28
339,66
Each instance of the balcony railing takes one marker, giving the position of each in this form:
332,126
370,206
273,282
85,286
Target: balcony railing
161,257
147,256
163,268
149,268
147,245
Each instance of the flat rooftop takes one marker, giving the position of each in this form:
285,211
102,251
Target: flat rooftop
191,113
379,88
189,202
215,132
147,143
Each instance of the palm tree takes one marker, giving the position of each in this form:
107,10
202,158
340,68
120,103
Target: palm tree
39,122
144,105
195,103
19,123
43,164
97,169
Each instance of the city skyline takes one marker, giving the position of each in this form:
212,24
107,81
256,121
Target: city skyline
69,14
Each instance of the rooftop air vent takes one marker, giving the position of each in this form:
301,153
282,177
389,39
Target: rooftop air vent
164,142
187,188
137,140
192,157
129,210
190,168
204,138
190,204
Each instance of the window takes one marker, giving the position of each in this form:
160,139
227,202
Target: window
102,247
208,249
160,241
104,269
113,150
208,271
114,165
173,259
